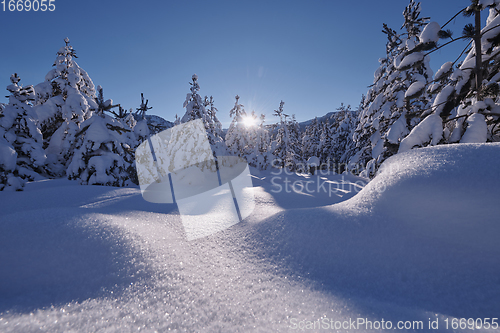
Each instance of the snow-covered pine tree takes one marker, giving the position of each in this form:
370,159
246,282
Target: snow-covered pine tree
213,122
198,108
325,147
342,131
251,122
9,177
391,106
297,161
194,104
286,146
466,105
236,136
126,118
259,157
128,122
141,129
349,124
100,156
374,105
310,140
22,156
19,123
280,140
214,128
63,101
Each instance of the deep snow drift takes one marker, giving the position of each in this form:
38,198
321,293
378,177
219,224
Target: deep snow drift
420,241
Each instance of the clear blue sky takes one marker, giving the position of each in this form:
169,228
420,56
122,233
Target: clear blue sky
311,54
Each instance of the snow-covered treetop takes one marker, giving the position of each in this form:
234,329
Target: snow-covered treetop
238,110
66,72
24,95
14,78
279,113
212,111
195,87
413,23
143,108
104,105
194,104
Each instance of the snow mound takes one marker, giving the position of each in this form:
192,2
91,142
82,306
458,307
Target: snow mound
419,241
423,233
55,255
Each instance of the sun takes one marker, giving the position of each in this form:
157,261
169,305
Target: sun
249,121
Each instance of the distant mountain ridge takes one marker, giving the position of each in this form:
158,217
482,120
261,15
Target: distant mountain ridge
306,123
328,116
156,123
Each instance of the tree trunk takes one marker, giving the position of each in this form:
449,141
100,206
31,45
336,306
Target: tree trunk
477,43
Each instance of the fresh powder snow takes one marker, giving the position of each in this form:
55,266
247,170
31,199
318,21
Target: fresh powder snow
418,243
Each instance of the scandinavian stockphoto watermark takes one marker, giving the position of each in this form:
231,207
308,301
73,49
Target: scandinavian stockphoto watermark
366,324
353,324
178,166
316,179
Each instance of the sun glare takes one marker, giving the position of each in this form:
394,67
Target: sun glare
249,121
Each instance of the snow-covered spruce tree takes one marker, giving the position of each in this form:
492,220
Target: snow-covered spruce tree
375,104
129,120
128,123
9,177
310,139
296,160
342,130
20,125
250,122
259,157
296,135
286,146
349,150
236,136
126,118
392,104
196,108
141,128
194,104
22,156
204,109
214,128
63,101
466,105
100,156
325,148
141,131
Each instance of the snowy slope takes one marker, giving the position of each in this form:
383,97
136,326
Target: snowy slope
420,241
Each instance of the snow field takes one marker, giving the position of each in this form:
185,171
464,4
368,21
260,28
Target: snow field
418,242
